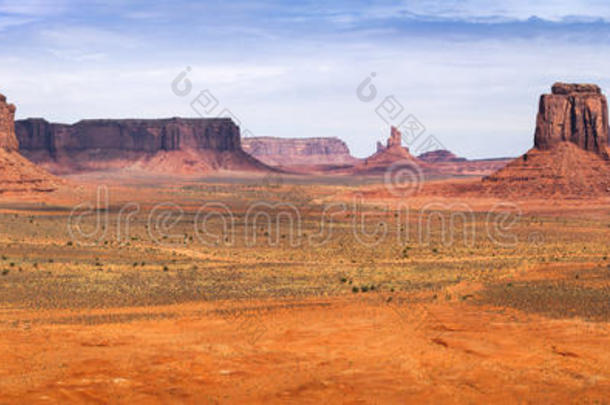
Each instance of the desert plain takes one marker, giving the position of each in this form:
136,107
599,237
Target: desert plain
278,288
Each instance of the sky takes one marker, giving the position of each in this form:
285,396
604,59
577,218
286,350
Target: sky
468,72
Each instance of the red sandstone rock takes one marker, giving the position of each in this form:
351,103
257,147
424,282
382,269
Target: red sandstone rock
8,141
570,88
570,154
380,147
299,151
196,145
17,174
393,152
395,139
573,112
388,157
440,156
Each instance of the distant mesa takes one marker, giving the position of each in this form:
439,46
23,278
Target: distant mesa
433,164
447,163
332,156
17,174
171,146
570,154
299,151
440,156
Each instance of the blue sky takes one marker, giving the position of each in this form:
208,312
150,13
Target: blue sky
470,71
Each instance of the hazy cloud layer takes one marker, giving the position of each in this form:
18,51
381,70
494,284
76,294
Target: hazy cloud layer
471,71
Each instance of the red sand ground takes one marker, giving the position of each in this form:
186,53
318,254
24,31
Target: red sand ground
358,349
19,175
344,350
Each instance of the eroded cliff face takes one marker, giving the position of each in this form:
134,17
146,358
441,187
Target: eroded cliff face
570,154
129,135
298,151
17,174
8,141
175,145
577,113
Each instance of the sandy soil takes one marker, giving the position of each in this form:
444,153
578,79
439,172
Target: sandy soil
377,347
361,350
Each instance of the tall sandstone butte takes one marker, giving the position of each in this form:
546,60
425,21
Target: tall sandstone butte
573,112
8,140
391,158
17,174
570,155
392,153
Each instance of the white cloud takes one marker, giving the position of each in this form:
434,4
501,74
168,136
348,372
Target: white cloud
553,10
83,37
479,99
33,8
477,96
7,22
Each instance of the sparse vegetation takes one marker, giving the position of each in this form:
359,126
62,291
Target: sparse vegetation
340,266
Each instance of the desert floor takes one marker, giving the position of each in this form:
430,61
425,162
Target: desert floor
394,300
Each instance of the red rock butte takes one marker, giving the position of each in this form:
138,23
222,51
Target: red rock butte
393,156
17,174
394,152
8,141
570,155
577,113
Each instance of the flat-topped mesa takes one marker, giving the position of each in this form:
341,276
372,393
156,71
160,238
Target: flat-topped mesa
298,151
136,135
440,156
180,146
8,140
577,113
